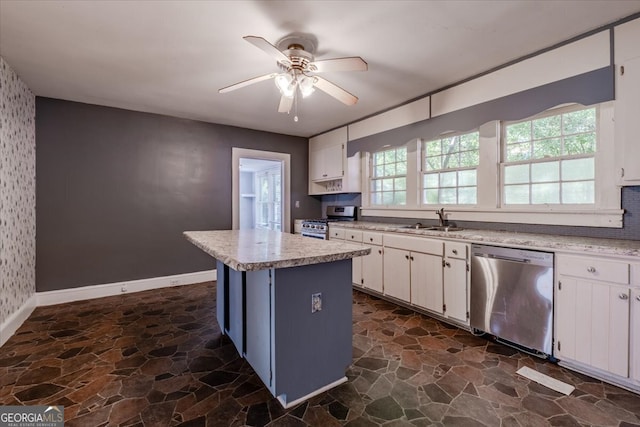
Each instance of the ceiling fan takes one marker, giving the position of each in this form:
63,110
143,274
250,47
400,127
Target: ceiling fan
298,70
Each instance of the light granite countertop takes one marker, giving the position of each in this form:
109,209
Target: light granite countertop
251,250
548,242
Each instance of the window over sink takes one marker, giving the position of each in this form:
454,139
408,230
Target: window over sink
550,159
553,168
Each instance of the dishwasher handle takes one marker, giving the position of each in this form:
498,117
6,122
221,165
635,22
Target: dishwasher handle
502,257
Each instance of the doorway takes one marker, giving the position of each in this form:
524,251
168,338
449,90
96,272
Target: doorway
260,190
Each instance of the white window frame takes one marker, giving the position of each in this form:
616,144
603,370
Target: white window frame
559,159
371,178
606,211
425,172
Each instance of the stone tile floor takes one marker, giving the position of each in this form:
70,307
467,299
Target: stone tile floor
157,358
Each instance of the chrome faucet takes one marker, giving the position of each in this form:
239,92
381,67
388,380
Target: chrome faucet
441,217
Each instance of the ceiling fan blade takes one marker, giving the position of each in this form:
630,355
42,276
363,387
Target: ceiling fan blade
353,63
247,82
285,104
334,90
270,49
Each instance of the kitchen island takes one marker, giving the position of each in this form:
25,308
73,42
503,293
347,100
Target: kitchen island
285,302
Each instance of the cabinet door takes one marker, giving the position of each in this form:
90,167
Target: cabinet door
397,277
627,125
316,163
333,158
426,281
592,324
635,334
326,163
372,269
356,271
456,282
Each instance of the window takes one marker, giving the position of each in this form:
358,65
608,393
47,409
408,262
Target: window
389,177
450,170
550,159
269,200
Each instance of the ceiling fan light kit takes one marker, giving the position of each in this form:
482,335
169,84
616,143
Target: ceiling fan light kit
294,57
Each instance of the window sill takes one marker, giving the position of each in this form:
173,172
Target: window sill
610,218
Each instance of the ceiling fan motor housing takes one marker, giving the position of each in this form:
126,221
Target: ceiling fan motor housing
300,58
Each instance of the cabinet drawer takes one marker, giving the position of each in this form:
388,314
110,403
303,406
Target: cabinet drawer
372,238
414,244
353,235
456,250
336,233
593,268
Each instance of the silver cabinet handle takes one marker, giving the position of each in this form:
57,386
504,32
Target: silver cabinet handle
447,264
380,251
637,297
623,296
455,251
591,269
406,256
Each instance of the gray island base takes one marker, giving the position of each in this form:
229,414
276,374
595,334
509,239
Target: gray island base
285,302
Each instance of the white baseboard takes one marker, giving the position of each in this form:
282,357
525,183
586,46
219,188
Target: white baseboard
106,290
16,319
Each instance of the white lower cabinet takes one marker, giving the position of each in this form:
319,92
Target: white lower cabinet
593,313
635,335
355,237
456,278
372,264
413,271
397,273
426,282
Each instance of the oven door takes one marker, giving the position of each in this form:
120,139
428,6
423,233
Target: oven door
314,234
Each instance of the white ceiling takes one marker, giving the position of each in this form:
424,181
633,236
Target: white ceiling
171,57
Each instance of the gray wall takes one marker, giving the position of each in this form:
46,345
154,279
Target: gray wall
116,189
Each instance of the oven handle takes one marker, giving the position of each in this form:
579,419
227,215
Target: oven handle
314,236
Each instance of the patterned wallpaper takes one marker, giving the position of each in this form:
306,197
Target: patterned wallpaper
17,192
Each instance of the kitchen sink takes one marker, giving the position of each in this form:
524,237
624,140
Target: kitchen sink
443,228
419,226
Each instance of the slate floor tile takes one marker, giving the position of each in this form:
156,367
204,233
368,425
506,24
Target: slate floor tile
157,358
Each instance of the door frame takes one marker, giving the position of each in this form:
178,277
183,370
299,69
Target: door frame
285,161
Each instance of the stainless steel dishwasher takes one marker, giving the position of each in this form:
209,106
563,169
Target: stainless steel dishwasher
512,296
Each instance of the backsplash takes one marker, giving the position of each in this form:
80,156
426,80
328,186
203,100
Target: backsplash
17,192
630,231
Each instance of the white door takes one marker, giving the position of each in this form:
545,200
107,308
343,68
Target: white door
275,208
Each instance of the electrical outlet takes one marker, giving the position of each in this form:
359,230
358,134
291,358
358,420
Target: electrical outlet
174,282
123,289
297,204
316,302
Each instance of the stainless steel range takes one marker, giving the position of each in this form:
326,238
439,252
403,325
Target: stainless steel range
319,228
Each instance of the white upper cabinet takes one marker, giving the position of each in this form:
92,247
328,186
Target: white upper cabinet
330,171
627,110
